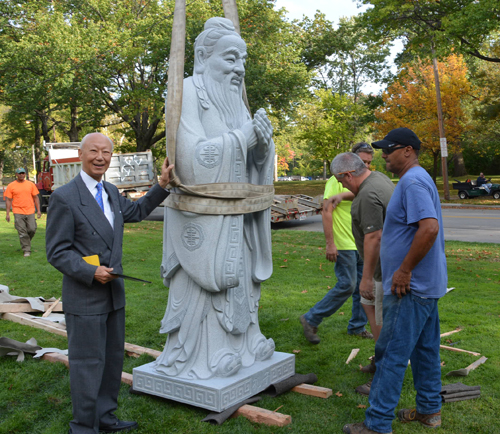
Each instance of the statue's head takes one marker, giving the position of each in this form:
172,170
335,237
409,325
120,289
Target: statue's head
220,53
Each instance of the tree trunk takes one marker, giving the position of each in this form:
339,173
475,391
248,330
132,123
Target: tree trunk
435,156
324,169
145,130
74,129
459,164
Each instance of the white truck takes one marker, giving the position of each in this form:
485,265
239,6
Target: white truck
133,173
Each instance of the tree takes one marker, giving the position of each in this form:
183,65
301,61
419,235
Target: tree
411,102
73,62
344,59
329,123
458,26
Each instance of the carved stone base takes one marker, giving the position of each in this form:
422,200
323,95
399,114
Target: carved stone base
216,394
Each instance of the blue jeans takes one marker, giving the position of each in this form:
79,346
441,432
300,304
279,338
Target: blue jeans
348,269
410,331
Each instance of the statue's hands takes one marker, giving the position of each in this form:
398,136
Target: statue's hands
263,129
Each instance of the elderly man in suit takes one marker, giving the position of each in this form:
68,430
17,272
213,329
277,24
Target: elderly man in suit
86,217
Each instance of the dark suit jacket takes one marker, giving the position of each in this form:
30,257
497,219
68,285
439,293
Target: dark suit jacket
77,227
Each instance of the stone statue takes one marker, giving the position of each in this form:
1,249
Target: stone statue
214,264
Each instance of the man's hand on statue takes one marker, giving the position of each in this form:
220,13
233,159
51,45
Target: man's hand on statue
331,252
401,283
102,274
366,289
166,169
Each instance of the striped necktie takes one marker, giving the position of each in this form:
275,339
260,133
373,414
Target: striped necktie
98,196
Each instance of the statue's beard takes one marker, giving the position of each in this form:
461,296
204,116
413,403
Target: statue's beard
227,100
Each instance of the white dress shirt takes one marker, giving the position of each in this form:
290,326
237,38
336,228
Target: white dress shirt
91,184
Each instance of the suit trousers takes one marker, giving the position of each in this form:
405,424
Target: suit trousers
95,351
25,225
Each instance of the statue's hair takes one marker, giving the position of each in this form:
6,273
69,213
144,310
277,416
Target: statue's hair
215,28
86,137
347,162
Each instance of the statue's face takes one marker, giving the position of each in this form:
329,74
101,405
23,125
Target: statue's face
227,61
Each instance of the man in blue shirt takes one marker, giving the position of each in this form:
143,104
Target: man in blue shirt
414,278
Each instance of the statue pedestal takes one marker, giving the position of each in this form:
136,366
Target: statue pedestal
216,394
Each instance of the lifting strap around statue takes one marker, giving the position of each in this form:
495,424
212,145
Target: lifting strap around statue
218,198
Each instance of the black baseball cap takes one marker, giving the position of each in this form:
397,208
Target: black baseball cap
399,136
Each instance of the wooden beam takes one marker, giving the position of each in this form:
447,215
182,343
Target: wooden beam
51,308
142,350
57,357
458,350
450,333
26,307
60,329
261,415
309,389
354,353
27,319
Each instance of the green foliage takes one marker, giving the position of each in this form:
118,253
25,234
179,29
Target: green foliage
73,64
459,26
330,123
34,395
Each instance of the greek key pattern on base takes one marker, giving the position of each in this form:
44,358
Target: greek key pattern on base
177,392
210,395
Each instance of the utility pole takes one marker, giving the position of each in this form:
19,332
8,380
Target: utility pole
442,136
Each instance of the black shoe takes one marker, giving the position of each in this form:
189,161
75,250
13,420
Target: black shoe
121,425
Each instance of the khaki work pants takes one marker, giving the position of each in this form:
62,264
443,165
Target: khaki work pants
26,228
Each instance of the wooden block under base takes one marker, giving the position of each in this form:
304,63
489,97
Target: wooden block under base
261,415
309,389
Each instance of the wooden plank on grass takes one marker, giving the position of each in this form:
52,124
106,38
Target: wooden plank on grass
309,389
60,329
51,308
26,307
30,320
458,350
142,350
57,357
450,333
354,353
261,415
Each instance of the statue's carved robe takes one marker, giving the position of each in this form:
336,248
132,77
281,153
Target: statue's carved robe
214,264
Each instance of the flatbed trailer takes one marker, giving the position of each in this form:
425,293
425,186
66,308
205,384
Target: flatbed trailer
295,207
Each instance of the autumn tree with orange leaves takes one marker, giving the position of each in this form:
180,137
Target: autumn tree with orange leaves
411,102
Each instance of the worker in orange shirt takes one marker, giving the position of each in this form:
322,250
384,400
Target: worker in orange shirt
22,196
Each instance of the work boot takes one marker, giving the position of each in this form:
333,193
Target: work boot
412,415
364,334
358,428
310,331
369,369
364,389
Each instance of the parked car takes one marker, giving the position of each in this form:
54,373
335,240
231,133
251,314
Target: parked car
469,189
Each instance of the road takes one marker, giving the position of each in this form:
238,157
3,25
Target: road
460,224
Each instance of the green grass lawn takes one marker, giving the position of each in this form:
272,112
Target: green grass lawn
34,395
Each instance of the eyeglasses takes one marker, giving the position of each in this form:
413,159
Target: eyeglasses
388,151
344,173
361,146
